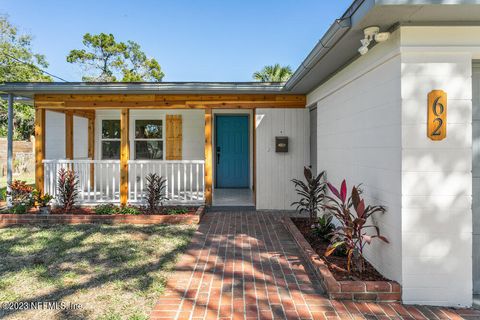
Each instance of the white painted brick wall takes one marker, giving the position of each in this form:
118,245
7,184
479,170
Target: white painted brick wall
436,176
359,138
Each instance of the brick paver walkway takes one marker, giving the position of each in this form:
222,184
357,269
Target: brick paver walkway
246,266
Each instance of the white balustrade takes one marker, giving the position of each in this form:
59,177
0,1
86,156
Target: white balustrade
184,179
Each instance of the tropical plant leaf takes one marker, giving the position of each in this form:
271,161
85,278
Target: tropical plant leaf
343,191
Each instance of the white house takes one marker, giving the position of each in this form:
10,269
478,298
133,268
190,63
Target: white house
361,117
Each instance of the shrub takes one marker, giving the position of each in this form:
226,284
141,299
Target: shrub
21,193
325,227
311,192
105,209
41,200
128,210
175,211
155,191
20,208
67,187
353,233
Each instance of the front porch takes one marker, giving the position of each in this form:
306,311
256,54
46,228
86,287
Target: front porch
113,142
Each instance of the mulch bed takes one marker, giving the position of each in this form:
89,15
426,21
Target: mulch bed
336,263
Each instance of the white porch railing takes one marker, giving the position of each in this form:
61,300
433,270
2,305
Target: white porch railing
185,179
105,186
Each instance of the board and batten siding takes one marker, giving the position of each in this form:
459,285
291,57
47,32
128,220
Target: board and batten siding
275,170
359,139
55,136
437,175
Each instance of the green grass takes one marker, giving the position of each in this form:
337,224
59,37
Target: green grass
29,177
114,272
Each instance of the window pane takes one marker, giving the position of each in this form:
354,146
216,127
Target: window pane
145,150
111,129
148,129
110,150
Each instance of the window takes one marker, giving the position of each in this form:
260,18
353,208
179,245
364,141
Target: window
148,139
110,139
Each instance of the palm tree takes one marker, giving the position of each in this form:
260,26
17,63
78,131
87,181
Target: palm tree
275,73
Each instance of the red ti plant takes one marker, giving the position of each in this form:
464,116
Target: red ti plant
353,233
67,186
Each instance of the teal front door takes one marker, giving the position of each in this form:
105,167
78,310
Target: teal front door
231,151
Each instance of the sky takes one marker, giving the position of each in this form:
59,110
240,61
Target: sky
193,40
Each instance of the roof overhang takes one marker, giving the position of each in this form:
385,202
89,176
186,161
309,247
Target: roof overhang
29,89
338,47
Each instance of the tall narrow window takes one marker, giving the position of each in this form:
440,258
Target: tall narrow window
148,139
110,139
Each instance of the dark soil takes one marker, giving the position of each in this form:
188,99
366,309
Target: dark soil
337,264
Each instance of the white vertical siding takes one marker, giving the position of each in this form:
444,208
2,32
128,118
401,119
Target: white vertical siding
275,170
54,135
80,137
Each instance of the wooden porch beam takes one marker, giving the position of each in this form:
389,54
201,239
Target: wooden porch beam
39,148
124,155
208,157
91,147
58,98
73,105
69,135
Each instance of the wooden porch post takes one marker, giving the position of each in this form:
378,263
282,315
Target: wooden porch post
91,147
69,134
124,155
39,148
208,156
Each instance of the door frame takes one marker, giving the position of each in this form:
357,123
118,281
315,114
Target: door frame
214,144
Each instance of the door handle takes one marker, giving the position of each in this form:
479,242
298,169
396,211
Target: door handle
218,155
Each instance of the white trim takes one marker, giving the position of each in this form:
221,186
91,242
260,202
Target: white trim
132,133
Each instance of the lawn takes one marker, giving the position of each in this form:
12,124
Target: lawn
113,272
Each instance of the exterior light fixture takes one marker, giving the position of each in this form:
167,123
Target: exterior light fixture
372,34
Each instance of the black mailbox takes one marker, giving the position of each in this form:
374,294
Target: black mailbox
281,144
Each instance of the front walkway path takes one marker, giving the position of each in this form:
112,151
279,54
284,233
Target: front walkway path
246,266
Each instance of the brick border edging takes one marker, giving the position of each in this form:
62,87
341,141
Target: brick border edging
32,219
378,291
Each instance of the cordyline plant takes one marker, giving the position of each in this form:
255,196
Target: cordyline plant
353,232
67,187
155,191
311,192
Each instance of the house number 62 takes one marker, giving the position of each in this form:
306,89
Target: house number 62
437,115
